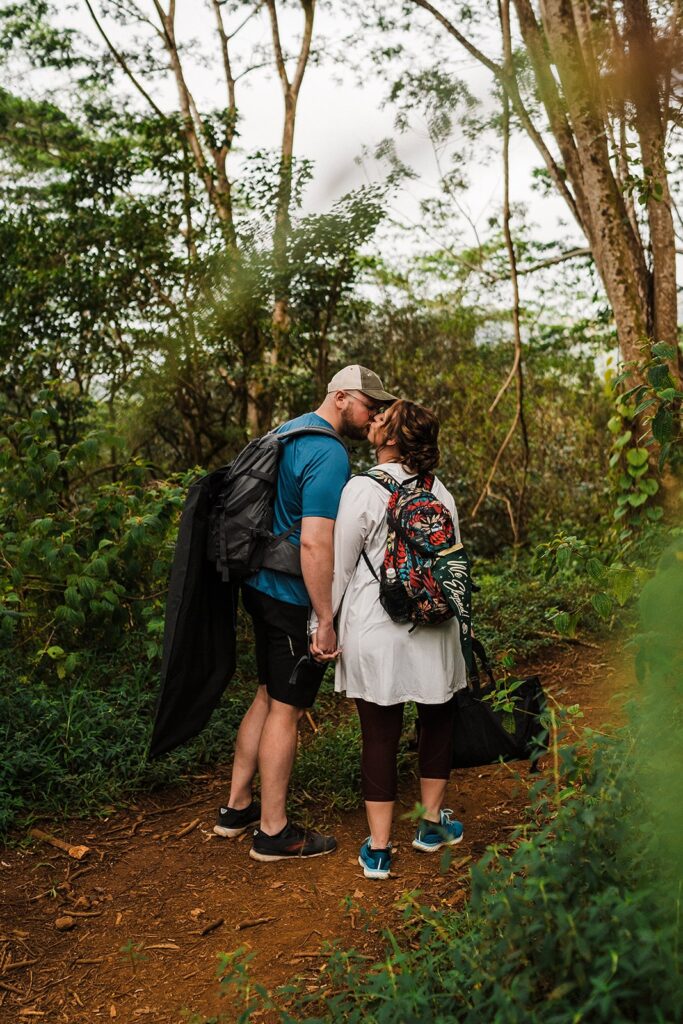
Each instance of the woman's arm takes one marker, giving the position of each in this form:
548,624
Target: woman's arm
350,533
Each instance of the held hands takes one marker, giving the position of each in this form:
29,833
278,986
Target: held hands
324,642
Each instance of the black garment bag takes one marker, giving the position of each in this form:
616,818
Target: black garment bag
200,630
483,735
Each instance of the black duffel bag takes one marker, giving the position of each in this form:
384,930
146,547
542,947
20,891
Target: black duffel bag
483,735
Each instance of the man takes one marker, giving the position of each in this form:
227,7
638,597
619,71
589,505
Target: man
312,472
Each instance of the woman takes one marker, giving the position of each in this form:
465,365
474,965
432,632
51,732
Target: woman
383,664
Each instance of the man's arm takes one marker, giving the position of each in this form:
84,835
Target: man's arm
317,563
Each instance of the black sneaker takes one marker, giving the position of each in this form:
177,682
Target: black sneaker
231,823
290,842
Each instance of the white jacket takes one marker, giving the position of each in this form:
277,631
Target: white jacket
381,660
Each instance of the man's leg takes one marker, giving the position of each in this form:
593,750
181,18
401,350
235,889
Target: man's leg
245,763
275,761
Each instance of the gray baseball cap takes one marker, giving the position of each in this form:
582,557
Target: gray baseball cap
359,378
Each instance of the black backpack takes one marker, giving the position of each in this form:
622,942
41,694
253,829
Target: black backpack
229,515
240,537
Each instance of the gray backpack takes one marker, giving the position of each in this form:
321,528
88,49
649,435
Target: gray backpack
240,538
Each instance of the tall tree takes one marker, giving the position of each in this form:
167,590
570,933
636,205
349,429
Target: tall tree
602,75
210,137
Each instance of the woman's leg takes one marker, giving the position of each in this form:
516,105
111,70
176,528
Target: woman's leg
381,731
435,754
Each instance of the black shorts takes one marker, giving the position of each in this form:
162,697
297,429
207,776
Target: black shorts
281,639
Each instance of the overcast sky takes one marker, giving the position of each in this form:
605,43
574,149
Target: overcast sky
338,116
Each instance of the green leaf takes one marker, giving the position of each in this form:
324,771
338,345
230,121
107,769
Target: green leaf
71,662
636,500
667,395
654,513
637,471
55,653
565,624
662,350
623,439
595,569
614,459
563,556
637,456
621,584
614,424
602,603
663,425
659,377
644,405
648,485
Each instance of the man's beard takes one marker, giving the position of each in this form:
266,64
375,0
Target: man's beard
350,430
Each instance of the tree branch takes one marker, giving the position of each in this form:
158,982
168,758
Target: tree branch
508,82
277,45
121,61
551,261
305,50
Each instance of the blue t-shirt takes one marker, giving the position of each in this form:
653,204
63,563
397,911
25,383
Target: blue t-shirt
311,477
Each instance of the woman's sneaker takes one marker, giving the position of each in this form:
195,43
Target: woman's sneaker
432,835
375,863
231,823
290,842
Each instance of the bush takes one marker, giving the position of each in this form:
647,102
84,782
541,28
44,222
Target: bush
578,919
574,922
84,561
78,746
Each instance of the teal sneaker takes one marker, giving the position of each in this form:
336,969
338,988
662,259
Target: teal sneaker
431,835
375,863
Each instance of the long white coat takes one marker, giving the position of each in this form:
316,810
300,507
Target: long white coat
381,660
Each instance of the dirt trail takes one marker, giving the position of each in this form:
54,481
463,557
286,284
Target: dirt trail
158,882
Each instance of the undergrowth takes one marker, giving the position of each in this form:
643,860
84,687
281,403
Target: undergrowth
576,920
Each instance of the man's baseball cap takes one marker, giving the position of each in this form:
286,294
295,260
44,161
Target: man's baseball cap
359,378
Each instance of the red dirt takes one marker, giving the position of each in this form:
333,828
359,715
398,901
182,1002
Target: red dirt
144,887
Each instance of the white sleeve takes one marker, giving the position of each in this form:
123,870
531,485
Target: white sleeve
350,533
351,529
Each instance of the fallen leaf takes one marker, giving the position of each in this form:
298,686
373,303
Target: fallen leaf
65,924
112,1010
197,912
358,894
119,918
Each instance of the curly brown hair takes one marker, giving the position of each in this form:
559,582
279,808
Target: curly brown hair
416,433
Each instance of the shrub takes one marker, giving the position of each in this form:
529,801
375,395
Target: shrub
77,746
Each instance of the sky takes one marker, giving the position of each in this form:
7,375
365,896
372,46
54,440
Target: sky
338,115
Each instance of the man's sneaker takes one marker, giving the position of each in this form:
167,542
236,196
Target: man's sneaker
290,842
375,863
432,835
231,823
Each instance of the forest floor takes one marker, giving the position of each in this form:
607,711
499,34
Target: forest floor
159,896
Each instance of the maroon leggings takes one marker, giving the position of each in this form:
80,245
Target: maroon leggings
381,729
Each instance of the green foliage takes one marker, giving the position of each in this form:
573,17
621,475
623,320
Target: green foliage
84,561
520,610
327,769
637,459
78,745
577,920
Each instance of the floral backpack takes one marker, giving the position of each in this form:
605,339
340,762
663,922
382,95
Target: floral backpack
420,529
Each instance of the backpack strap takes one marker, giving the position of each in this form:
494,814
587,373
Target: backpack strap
369,564
387,481
301,431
